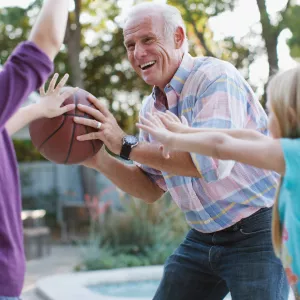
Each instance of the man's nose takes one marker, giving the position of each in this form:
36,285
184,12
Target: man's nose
139,51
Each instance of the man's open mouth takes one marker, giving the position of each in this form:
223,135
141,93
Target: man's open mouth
148,65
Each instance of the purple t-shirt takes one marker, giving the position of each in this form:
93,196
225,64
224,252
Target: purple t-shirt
25,71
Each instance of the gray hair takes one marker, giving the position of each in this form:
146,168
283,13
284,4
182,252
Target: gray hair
171,15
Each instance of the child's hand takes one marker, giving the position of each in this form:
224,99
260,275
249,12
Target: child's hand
51,101
156,128
172,122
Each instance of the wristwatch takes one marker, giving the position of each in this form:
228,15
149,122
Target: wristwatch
128,142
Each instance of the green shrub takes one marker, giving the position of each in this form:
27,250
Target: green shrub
138,236
26,152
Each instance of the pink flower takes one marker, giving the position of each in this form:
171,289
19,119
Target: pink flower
285,234
292,278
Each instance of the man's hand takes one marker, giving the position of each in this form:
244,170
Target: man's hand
109,132
95,162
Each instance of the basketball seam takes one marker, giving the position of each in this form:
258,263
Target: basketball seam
73,131
92,142
52,134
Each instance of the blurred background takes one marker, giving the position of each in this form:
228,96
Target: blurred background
74,208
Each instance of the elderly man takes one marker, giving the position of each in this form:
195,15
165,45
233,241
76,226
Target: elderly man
227,204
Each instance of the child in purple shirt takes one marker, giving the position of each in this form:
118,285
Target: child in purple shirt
25,71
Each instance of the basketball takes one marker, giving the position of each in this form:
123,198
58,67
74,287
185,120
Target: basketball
55,138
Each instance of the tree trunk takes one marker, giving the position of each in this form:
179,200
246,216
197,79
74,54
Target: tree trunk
270,35
73,42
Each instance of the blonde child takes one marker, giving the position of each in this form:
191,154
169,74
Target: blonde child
280,153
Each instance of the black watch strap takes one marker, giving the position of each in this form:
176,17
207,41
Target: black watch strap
125,151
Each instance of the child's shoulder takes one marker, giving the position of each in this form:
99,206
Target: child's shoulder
290,146
291,154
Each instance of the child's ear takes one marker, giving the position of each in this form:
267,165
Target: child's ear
292,117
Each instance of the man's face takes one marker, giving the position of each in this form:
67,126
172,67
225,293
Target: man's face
154,57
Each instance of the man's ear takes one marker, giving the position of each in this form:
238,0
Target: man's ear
179,37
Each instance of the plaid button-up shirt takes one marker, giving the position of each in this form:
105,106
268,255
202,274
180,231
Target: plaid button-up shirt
211,93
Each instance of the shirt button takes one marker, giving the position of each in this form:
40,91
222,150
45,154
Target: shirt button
168,86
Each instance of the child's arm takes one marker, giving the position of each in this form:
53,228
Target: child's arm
49,106
173,123
264,152
243,134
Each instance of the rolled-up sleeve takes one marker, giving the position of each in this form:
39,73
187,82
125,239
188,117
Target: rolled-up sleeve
221,104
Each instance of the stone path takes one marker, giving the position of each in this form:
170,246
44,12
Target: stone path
63,259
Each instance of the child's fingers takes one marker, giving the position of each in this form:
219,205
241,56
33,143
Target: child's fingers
166,121
155,120
147,122
67,108
158,121
184,120
52,84
165,116
62,82
172,116
65,95
42,90
145,128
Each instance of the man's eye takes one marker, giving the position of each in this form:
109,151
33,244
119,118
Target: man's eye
130,47
148,40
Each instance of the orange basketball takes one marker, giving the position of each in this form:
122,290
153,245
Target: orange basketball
55,138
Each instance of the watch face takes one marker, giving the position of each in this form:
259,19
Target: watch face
131,140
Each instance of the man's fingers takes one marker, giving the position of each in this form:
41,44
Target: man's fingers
88,122
98,104
89,136
62,83
96,114
52,84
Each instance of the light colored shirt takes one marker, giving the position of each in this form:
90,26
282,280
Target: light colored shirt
289,211
211,93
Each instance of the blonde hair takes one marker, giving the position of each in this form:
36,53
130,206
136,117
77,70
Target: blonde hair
283,94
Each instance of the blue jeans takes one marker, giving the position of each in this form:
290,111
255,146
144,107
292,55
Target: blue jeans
239,260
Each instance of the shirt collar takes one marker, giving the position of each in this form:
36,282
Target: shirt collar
179,78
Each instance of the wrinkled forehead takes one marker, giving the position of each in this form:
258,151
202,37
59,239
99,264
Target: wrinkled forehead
143,21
